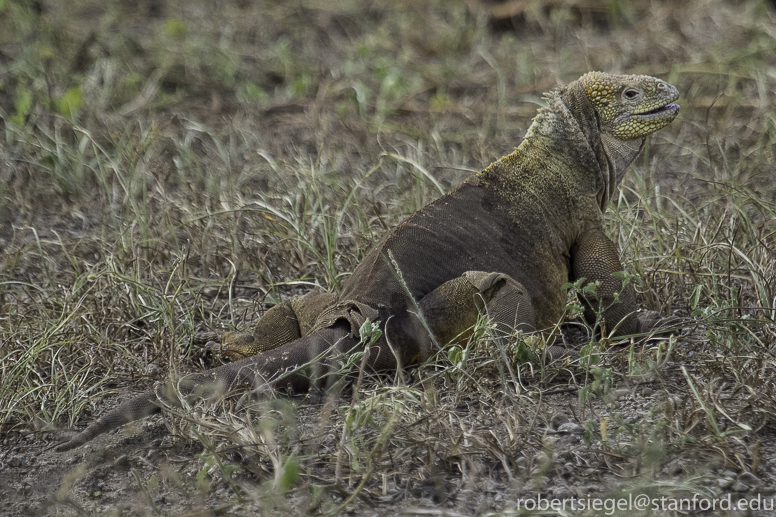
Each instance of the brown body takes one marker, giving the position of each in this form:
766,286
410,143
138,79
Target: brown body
505,242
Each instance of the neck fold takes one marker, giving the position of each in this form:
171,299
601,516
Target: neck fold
612,155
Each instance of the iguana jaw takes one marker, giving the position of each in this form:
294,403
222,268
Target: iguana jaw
668,111
639,125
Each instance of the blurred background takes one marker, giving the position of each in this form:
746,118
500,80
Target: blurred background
124,119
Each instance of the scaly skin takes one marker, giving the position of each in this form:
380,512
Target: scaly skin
504,241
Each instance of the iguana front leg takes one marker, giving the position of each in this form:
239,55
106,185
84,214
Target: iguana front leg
595,257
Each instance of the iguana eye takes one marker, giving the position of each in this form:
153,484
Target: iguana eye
632,94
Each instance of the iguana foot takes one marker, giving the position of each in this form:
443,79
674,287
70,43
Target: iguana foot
205,337
560,352
652,324
233,346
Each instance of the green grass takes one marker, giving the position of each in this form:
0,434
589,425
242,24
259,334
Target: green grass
173,168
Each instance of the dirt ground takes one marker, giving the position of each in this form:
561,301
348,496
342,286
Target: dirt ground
141,469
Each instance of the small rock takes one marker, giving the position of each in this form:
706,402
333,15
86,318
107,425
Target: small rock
562,492
121,461
647,392
538,483
571,428
543,458
15,461
558,419
622,393
725,483
748,478
675,470
590,490
729,474
739,487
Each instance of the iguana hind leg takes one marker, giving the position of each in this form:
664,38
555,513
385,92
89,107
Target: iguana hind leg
281,324
450,311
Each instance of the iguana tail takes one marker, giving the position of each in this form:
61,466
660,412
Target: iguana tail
283,367
128,411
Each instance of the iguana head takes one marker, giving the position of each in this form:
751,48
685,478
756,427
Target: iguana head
599,122
625,110
630,107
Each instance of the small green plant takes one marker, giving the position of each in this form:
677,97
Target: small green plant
599,386
146,487
70,103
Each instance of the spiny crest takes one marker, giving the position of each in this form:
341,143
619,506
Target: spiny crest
544,123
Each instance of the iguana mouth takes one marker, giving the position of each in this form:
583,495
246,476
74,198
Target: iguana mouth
668,109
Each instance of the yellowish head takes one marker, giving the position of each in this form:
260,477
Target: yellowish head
630,106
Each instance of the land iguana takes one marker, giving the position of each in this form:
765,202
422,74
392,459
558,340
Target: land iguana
505,241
